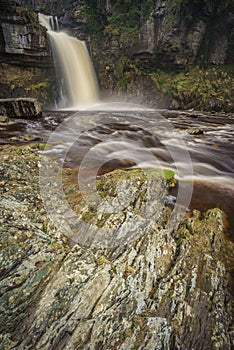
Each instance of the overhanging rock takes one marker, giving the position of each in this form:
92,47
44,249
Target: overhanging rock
20,108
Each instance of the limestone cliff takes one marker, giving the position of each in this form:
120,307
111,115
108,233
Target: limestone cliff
128,41
25,59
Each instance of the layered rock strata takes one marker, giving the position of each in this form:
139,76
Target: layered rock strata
162,290
20,108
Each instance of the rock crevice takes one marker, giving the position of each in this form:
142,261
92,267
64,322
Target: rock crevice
163,290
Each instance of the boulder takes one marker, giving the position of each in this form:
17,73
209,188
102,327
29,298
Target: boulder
20,108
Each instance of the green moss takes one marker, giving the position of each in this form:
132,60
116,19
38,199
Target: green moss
107,185
123,18
169,175
207,89
102,261
37,87
41,90
88,215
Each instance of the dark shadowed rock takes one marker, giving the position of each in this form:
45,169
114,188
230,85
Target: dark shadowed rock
162,290
20,107
22,40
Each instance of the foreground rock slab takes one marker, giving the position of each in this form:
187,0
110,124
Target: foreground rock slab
163,290
20,108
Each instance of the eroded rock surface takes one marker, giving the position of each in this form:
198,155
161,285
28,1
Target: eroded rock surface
163,290
22,38
20,107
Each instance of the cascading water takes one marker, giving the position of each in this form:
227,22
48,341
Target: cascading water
77,80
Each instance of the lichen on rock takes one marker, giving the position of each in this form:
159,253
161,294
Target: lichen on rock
163,290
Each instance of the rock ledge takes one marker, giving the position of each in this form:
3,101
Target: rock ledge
20,108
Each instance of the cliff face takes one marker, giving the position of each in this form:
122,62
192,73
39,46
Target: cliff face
24,39
128,40
132,40
24,54
183,36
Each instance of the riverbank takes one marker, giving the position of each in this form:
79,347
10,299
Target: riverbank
144,293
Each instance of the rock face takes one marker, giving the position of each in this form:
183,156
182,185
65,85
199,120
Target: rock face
171,36
172,40
20,108
26,65
23,39
162,290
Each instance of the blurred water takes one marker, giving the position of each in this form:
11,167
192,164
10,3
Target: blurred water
207,138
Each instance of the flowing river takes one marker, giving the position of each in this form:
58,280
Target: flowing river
197,146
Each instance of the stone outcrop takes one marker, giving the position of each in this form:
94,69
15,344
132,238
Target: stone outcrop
20,108
163,290
172,40
181,39
26,64
23,42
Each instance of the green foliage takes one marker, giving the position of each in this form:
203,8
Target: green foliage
127,17
162,82
204,90
125,71
41,91
201,89
123,19
92,11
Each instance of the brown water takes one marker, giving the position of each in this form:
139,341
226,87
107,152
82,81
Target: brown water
207,137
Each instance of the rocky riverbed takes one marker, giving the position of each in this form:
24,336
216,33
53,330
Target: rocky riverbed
161,289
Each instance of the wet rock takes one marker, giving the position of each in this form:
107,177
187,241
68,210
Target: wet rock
4,119
162,289
27,137
14,139
20,107
196,131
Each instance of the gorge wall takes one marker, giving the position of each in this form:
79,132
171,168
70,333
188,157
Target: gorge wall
130,42
138,39
24,54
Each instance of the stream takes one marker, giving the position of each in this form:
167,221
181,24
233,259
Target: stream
197,146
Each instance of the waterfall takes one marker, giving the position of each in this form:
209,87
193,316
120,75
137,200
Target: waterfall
74,69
